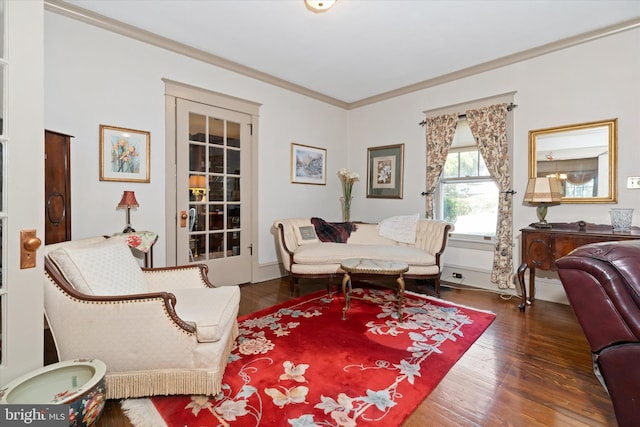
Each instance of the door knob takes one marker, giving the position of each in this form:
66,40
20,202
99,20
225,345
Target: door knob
30,244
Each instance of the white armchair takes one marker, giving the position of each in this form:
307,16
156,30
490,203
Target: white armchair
160,331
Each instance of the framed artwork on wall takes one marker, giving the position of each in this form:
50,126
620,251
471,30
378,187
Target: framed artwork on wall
385,171
124,154
308,164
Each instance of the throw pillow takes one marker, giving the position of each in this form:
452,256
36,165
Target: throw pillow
337,232
306,234
400,228
105,268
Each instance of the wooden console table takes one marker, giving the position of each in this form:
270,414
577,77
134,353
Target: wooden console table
541,247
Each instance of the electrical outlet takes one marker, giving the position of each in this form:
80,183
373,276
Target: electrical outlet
633,182
457,275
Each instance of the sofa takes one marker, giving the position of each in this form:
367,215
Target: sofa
602,282
305,255
160,331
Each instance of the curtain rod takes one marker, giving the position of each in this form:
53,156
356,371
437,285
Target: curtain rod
464,116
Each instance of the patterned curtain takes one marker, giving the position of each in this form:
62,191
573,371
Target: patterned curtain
440,132
489,127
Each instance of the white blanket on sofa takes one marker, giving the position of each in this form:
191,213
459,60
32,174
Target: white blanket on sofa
400,228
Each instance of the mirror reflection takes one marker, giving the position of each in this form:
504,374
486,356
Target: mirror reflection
582,156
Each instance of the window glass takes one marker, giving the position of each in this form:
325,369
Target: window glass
469,163
472,206
468,196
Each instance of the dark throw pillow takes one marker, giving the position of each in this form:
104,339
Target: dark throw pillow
337,232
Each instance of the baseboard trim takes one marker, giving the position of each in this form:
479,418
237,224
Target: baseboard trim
268,271
548,287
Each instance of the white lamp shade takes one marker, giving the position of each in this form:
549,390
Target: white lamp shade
543,190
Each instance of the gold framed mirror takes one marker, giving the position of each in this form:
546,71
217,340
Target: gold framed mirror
584,157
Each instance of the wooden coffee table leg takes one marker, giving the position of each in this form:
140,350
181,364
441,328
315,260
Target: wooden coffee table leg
346,280
400,296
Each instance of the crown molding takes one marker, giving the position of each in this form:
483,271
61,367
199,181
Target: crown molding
63,8
118,27
501,62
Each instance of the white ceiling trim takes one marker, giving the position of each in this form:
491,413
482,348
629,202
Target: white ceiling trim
92,18
462,107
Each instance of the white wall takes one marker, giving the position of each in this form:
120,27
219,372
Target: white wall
592,81
96,77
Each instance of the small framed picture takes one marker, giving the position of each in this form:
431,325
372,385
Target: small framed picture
124,154
385,171
308,164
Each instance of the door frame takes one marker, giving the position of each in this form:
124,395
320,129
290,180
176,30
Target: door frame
174,90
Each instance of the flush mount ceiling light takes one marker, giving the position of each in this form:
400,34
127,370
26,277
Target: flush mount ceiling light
319,5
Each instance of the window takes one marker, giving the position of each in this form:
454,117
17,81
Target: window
467,195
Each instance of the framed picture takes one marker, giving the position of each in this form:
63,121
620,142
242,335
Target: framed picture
308,164
385,171
124,154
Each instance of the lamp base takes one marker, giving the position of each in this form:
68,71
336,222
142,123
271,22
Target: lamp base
540,225
129,229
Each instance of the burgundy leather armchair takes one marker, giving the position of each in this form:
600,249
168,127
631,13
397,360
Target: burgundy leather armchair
602,282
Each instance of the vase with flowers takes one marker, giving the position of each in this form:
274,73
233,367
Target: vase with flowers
347,178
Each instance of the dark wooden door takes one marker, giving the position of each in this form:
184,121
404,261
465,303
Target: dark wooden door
57,187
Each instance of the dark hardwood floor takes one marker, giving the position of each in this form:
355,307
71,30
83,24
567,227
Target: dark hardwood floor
531,369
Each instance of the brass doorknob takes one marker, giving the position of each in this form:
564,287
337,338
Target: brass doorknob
32,243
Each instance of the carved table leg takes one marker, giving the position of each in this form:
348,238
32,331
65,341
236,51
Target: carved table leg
532,285
346,280
523,290
400,281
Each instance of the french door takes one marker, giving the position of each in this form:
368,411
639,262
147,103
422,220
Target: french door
21,186
213,190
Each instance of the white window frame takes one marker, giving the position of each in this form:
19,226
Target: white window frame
478,241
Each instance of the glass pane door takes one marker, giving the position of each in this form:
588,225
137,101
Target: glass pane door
213,184
214,188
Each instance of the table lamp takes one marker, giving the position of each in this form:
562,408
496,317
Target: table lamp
543,191
128,201
198,186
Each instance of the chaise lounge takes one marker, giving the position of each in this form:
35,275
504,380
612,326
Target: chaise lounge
304,255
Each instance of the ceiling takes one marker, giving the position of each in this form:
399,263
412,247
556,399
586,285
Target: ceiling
362,49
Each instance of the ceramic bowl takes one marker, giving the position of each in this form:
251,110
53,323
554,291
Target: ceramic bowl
77,383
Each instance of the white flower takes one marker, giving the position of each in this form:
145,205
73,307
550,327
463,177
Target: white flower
348,176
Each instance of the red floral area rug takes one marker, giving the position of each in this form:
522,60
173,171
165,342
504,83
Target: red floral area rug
299,364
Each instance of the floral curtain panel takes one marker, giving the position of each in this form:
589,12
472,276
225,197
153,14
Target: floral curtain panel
440,132
489,127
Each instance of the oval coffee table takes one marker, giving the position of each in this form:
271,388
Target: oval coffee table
372,268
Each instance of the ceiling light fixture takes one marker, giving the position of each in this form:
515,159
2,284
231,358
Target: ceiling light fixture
319,5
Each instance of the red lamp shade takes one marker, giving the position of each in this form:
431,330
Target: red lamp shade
128,200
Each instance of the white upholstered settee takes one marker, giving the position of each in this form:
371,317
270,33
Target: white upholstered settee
160,331
304,255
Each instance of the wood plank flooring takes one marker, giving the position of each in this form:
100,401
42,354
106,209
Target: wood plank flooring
531,369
